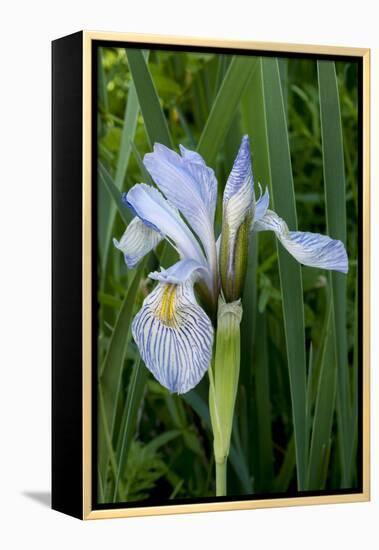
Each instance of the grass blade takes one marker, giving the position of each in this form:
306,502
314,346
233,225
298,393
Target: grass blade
106,179
285,474
262,397
324,410
110,375
248,340
225,105
146,178
283,202
334,177
136,389
253,124
102,84
153,116
128,133
355,404
127,136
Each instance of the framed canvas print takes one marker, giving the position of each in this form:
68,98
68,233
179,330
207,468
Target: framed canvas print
210,275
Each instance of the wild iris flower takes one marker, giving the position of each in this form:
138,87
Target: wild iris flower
173,332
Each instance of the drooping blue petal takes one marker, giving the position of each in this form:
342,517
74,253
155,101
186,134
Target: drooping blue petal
157,213
261,206
238,199
311,249
180,272
137,241
174,336
189,185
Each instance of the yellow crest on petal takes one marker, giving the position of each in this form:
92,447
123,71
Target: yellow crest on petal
166,310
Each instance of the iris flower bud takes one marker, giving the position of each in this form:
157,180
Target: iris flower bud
238,212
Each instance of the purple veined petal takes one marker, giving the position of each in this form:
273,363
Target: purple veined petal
174,336
204,177
239,199
158,214
191,156
311,249
137,241
189,185
261,205
181,271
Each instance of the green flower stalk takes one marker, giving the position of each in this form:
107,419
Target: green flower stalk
223,385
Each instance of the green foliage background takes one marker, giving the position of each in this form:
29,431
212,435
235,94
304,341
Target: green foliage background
296,424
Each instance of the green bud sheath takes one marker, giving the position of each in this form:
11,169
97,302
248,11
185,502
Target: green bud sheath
223,385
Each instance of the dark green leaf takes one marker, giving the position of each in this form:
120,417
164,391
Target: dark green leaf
335,202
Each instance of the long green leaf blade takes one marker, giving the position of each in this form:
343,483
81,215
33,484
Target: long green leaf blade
253,124
285,474
153,116
263,404
324,410
106,179
248,339
225,105
127,136
129,421
283,202
335,201
103,103
111,371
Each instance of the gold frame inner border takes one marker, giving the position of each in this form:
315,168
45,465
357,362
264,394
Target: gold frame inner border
337,51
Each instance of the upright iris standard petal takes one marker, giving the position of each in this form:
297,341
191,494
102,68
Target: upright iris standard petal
137,241
238,212
238,199
311,249
190,186
174,336
158,214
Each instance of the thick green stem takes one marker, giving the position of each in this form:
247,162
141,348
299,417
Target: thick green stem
223,376
221,478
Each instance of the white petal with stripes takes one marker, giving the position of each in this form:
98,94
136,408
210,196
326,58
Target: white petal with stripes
311,249
174,336
137,240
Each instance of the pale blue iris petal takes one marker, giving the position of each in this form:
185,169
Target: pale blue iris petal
157,213
137,241
311,249
180,272
189,185
238,200
203,176
241,172
191,156
237,208
177,351
261,206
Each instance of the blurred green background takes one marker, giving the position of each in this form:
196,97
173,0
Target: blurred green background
296,422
